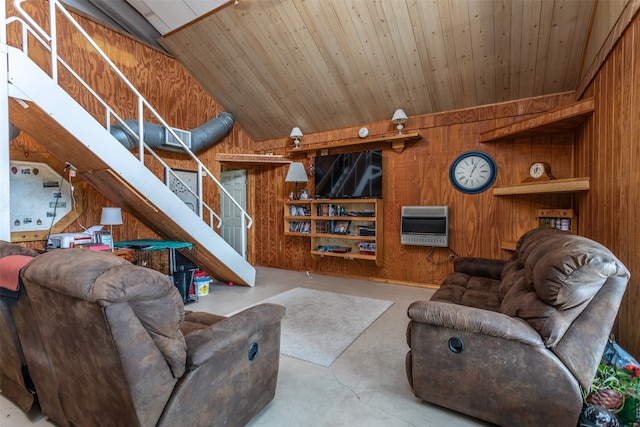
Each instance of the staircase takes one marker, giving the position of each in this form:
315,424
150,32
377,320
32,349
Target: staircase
42,109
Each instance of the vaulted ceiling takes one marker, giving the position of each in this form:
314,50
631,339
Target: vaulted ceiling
327,64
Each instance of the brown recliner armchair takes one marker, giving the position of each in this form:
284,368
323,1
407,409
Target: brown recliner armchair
15,380
512,342
125,353
23,359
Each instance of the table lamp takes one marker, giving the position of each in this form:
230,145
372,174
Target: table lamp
296,173
111,217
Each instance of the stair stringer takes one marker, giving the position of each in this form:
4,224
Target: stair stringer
72,135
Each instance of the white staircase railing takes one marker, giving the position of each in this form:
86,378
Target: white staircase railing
49,41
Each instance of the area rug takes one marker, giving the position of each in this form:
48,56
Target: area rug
319,325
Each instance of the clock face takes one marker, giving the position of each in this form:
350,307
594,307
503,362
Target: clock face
363,132
473,172
536,170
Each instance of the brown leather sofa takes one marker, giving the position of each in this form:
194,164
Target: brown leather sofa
512,342
124,352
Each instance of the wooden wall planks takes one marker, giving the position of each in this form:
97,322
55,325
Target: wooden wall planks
419,176
607,151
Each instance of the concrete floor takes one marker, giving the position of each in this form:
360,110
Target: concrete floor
365,386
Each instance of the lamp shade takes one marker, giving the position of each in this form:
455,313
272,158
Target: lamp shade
296,173
399,116
111,216
296,133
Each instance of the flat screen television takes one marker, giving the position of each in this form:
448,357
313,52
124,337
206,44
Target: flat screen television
349,175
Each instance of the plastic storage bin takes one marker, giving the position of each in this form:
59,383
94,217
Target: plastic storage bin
202,284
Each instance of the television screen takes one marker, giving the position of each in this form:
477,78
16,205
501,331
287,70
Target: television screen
349,175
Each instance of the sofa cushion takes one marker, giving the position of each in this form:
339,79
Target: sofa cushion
471,291
560,275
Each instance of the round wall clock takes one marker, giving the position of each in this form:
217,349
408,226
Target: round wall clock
363,132
473,172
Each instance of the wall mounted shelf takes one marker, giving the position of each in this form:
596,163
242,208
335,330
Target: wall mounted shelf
568,185
397,143
560,120
250,160
548,218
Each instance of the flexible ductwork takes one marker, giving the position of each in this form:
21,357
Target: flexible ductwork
14,131
156,136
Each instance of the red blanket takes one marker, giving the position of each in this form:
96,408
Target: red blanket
9,276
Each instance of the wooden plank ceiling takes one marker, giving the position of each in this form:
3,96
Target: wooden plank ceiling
328,64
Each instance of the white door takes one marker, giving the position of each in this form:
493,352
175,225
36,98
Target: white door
235,182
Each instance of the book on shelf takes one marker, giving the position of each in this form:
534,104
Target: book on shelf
295,210
300,227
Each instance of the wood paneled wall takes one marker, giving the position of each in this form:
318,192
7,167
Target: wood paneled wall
608,150
174,93
419,176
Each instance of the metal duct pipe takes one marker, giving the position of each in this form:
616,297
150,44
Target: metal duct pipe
14,131
202,137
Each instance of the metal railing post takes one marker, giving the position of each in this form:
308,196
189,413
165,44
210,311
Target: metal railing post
54,41
5,211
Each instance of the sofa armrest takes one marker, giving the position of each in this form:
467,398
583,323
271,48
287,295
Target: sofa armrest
475,320
204,344
483,267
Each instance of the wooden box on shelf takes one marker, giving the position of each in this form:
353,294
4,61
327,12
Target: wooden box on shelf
564,219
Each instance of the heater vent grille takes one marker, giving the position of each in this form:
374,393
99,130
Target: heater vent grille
171,141
425,226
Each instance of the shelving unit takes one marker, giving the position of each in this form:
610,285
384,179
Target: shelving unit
550,218
297,217
564,119
564,219
397,143
335,227
570,185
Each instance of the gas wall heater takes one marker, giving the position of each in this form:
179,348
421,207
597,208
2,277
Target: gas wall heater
425,226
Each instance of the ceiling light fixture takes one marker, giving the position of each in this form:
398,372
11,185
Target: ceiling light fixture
399,118
297,135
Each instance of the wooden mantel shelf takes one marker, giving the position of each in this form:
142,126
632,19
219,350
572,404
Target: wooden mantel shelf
397,143
562,119
249,160
568,185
